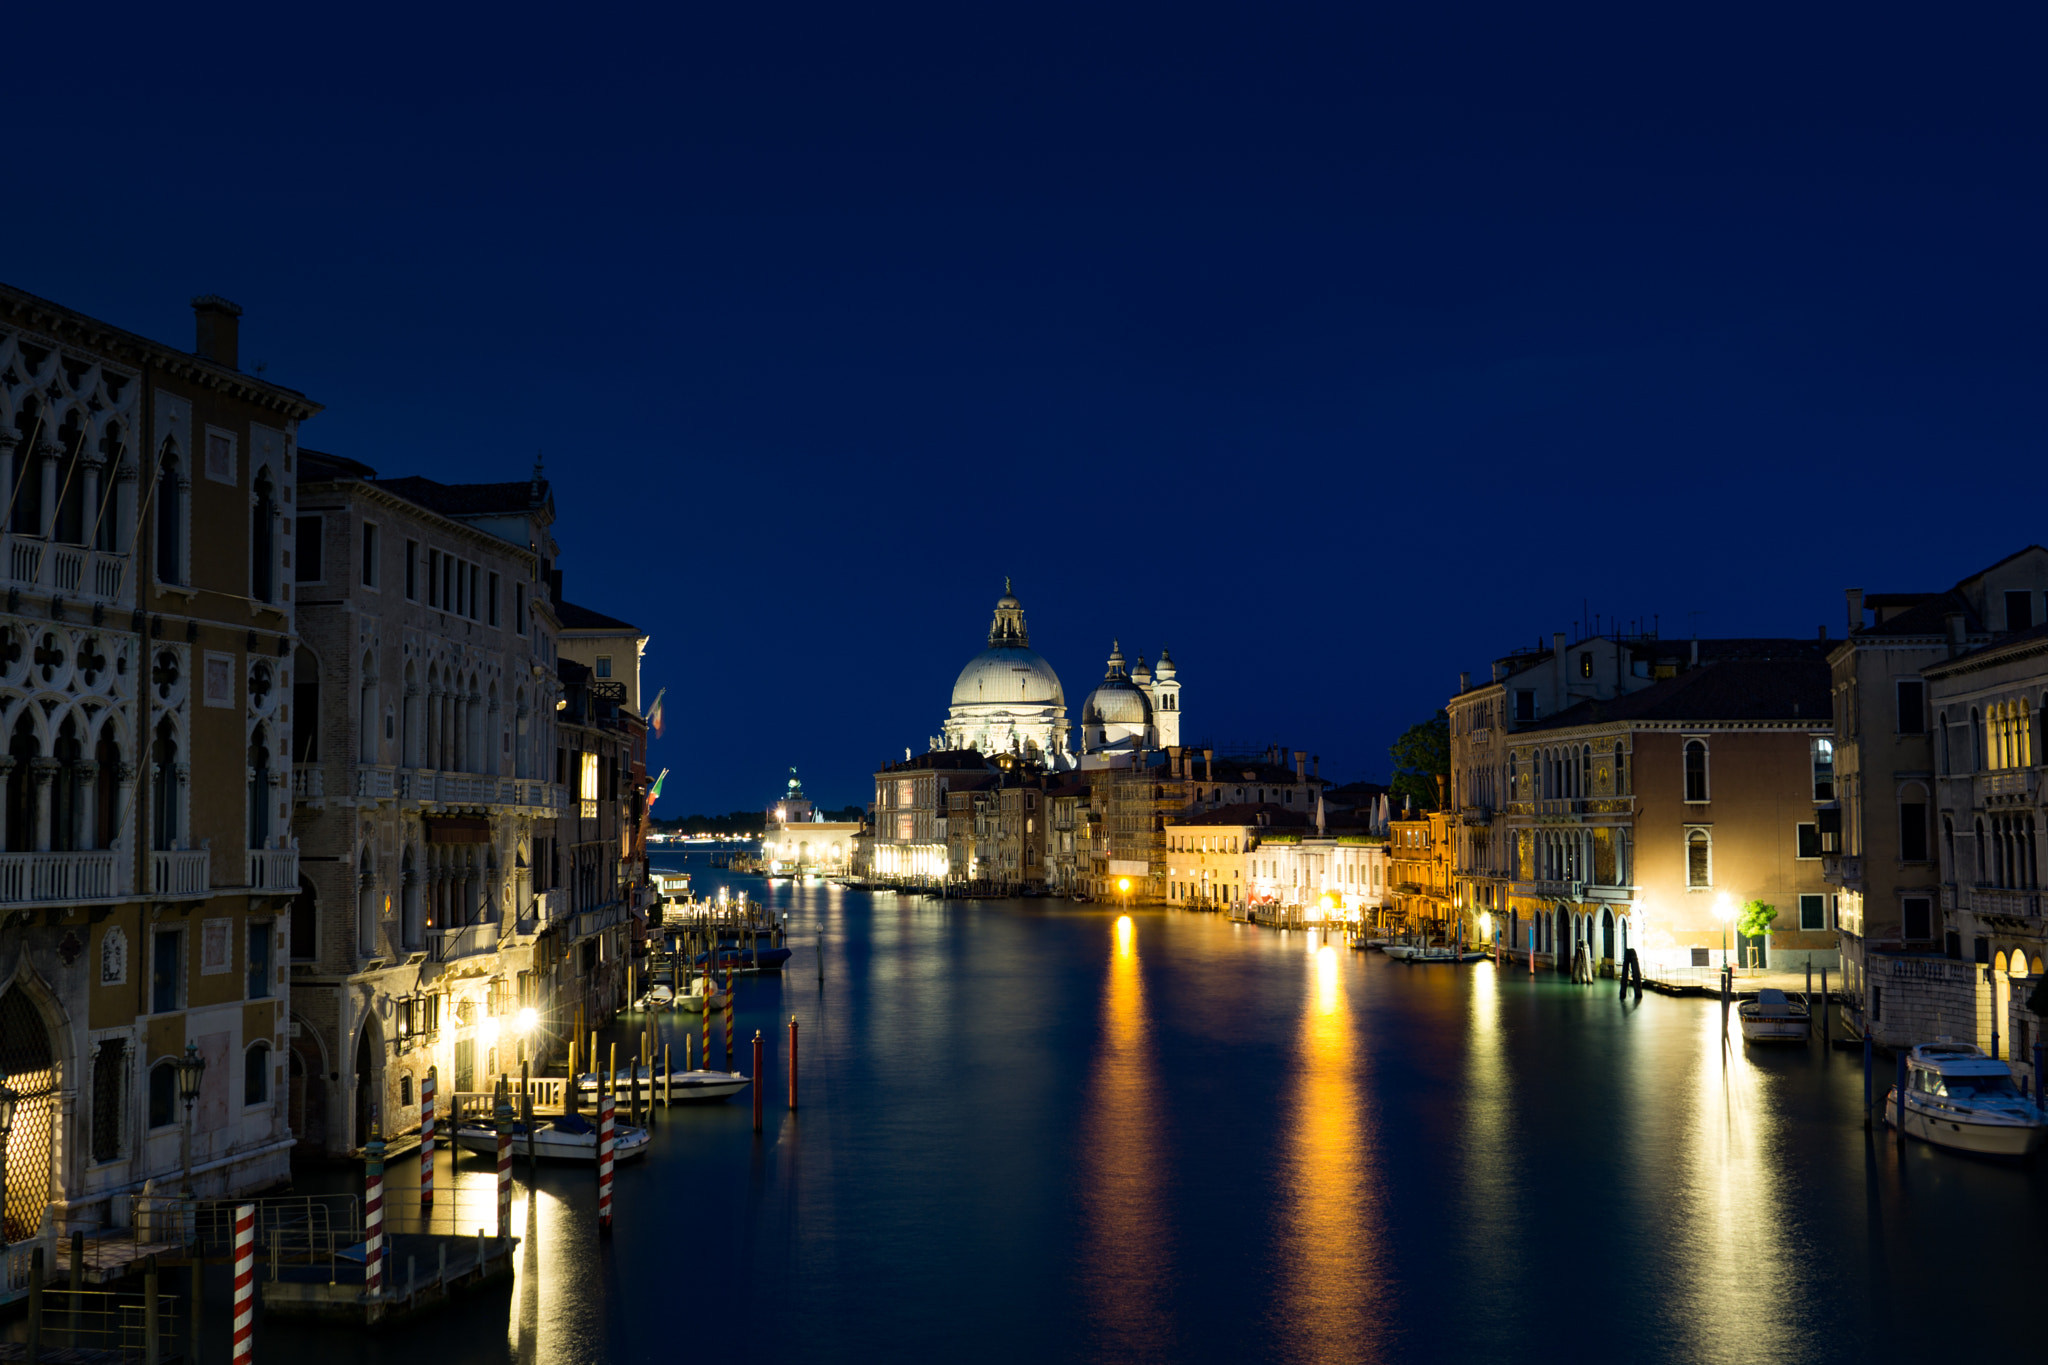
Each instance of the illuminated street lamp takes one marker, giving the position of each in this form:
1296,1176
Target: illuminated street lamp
1123,887
191,1069
1724,907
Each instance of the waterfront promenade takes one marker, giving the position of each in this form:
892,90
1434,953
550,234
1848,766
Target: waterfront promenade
1031,1133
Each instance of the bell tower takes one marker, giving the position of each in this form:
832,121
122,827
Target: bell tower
1164,692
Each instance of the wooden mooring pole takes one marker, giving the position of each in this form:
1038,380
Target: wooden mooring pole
757,1080
792,1063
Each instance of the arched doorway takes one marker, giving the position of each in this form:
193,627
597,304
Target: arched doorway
1561,955
368,1047
306,1093
29,1060
1607,935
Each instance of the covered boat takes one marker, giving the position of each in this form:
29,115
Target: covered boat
569,1137
1774,1017
1958,1097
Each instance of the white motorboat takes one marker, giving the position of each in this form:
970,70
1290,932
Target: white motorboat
701,990
1400,952
1774,1017
1958,1097
570,1137
686,1087
1444,952
658,997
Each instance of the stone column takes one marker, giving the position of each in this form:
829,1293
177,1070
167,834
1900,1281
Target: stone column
88,800
88,531
45,771
430,754
120,536
49,452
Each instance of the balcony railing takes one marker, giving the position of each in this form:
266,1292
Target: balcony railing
376,784
273,869
309,782
466,941
31,877
2010,904
93,576
181,872
2012,782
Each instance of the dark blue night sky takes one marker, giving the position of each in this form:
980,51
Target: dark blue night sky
1339,349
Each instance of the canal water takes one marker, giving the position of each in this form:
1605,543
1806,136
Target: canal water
1041,1131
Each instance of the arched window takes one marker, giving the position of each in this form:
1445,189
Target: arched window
163,787
1941,728
259,788
2023,736
256,1074
106,792
366,907
405,1091
23,748
1699,858
27,493
263,541
413,922
1620,769
163,1094
1695,770
69,812
1948,843
366,711
1585,770
170,516
305,922
1976,741
305,706
67,525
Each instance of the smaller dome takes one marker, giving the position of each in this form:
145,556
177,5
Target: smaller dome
1116,702
1165,669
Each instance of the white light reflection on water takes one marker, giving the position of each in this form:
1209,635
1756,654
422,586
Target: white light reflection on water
1733,1278
1124,1241
1328,1242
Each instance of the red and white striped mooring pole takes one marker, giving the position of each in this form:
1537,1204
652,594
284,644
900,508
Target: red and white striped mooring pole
373,1214
604,1163
245,1284
504,1165
427,1089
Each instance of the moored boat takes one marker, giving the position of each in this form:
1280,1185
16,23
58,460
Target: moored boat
686,1087
702,990
1958,1097
570,1137
1774,1017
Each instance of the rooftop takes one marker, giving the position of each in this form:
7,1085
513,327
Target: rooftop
1794,688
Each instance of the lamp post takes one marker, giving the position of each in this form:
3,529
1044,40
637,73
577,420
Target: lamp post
1726,907
191,1068
8,1099
1123,888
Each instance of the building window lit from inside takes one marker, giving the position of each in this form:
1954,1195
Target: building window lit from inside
1823,770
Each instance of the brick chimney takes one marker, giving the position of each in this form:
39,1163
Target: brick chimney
219,330
1464,682
1300,764
1958,638
1855,596
1208,765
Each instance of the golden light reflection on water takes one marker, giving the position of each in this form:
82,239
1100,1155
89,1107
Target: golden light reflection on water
1330,1280
1125,1249
1488,1168
1728,1217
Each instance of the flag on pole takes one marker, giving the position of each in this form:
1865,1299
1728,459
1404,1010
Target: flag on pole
654,792
654,713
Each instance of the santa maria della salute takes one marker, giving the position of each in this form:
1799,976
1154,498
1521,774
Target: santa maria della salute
1008,700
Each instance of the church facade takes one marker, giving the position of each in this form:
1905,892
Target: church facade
1008,700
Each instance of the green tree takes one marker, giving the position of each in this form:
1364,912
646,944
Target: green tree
1755,920
1421,755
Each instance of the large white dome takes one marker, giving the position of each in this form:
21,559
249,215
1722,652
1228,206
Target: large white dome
1008,675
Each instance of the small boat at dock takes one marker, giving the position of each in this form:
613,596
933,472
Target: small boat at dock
1774,1017
701,991
571,1137
1957,1097
685,1087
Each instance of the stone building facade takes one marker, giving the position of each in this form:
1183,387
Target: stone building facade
146,653
1884,850
425,799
